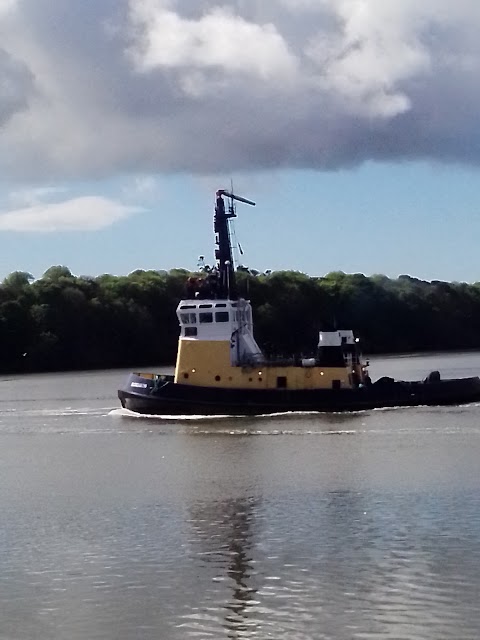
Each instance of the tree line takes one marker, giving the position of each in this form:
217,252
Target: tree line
62,321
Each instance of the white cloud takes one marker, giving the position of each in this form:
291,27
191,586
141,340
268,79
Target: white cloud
218,39
136,87
366,60
89,213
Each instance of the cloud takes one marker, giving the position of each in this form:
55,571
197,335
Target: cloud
7,6
16,80
16,86
88,213
217,40
147,86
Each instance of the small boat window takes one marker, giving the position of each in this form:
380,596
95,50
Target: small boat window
188,306
221,304
205,317
188,318
190,332
204,306
221,316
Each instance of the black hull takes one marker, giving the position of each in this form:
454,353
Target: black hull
168,398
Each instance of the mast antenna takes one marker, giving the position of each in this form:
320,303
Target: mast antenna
223,253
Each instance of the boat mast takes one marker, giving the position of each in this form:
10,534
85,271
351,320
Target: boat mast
224,255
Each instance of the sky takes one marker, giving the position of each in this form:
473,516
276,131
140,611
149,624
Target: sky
353,124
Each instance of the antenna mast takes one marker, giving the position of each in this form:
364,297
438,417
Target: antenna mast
223,254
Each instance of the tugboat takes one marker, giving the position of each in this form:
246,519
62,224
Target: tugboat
221,370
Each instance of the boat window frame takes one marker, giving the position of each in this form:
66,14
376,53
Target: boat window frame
188,318
205,317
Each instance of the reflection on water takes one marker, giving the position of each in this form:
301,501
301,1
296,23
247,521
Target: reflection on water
341,565
223,531
298,527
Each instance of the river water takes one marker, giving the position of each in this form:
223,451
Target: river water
363,525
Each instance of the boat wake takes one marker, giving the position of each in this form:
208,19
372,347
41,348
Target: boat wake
392,422
400,420
289,415
126,413
58,412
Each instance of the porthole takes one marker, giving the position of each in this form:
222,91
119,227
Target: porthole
185,375
217,378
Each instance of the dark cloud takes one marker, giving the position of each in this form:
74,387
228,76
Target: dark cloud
99,88
17,86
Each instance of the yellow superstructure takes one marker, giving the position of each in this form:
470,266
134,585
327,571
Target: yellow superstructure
207,364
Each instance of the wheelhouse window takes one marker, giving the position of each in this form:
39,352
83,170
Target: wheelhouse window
221,316
205,317
190,332
188,318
